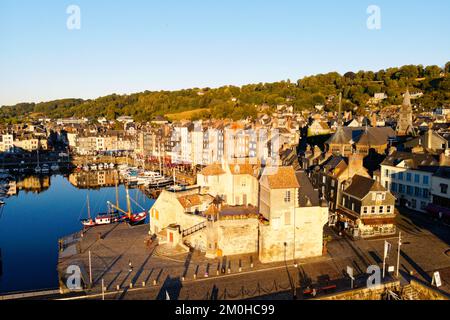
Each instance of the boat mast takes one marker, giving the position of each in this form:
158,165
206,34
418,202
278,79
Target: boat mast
128,203
117,190
88,207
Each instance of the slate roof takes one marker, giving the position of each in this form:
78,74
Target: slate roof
307,195
239,211
361,186
341,136
371,136
418,161
443,172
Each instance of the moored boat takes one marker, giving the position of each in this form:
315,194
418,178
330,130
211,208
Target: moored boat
89,222
106,218
132,218
112,216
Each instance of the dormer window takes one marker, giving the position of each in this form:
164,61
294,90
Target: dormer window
378,196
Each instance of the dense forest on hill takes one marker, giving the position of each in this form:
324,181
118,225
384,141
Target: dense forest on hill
240,102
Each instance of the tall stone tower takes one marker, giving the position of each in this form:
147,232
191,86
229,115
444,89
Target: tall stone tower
405,120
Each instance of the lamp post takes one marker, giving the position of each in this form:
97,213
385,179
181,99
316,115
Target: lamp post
398,253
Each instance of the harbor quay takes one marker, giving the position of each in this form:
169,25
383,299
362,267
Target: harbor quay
132,266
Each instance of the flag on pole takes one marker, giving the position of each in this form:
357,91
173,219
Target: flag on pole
387,249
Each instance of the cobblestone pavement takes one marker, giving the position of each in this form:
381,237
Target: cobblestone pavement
191,276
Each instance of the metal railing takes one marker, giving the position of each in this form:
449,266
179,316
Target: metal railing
194,229
29,294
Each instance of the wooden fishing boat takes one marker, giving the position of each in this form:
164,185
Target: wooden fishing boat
128,216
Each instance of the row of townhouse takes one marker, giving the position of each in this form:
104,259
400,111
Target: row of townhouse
86,144
11,143
358,204
201,144
417,180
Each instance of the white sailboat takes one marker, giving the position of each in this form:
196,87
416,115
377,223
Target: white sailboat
89,222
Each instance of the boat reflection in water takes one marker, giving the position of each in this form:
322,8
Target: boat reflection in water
12,185
94,179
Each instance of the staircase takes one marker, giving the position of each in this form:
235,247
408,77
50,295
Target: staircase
194,229
408,293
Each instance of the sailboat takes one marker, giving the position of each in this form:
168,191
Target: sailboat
128,216
89,222
112,216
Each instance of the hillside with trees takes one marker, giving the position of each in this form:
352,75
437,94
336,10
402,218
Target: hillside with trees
241,102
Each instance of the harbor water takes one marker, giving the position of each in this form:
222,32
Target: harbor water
32,221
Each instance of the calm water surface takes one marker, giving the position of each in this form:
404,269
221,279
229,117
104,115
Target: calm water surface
31,224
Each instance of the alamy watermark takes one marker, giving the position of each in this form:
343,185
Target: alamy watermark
73,282
374,19
74,19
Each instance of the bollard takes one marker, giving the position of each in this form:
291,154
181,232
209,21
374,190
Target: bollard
154,282
240,269
195,276
217,272
118,288
229,270
143,283
131,285
183,279
251,265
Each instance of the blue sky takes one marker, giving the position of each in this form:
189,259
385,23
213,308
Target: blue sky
127,46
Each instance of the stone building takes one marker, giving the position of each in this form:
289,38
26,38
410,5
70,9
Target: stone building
236,184
215,219
405,120
367,209
430,141
293,216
